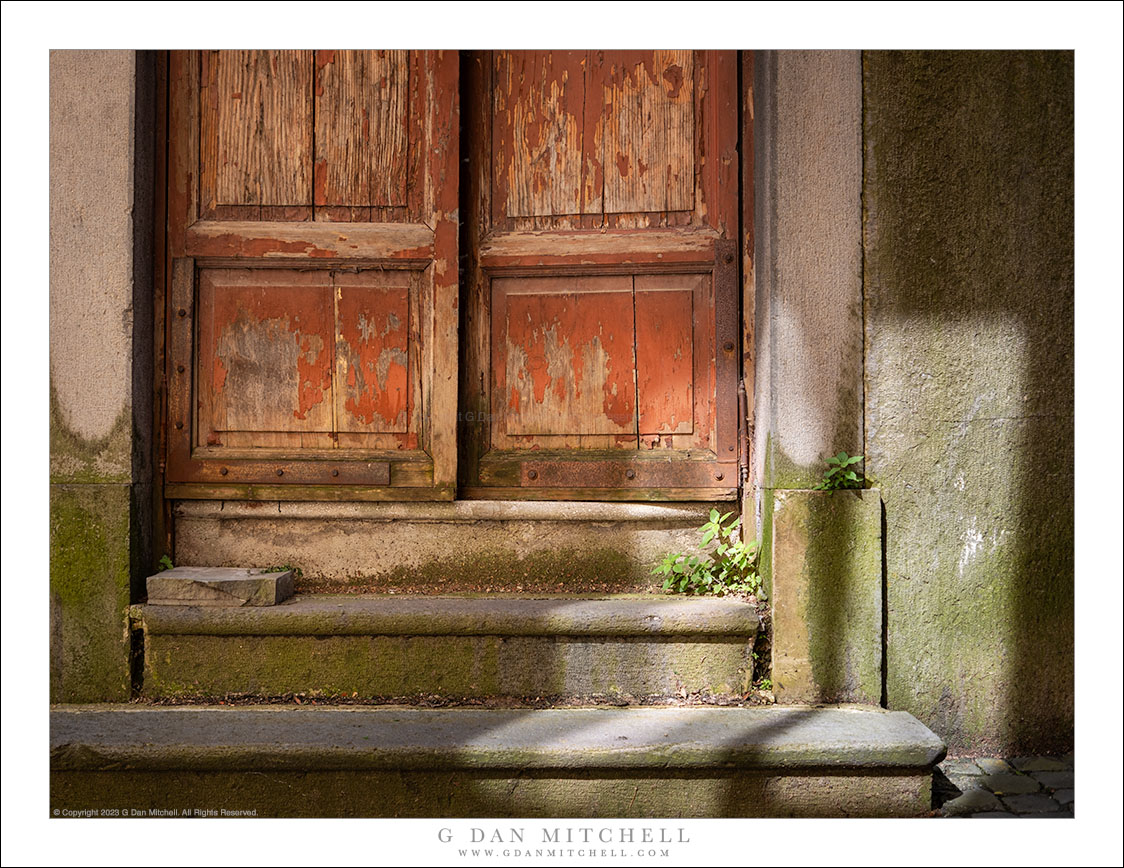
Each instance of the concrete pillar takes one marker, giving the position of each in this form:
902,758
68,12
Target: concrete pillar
808,269
100,363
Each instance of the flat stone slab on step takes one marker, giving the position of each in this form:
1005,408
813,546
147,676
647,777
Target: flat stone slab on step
337,615
1041,764
1054,780
219,586
971,802
1010,784
1031,803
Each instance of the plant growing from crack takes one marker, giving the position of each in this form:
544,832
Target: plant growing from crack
728,565
840,474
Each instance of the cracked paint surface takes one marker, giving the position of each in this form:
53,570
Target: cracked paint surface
569,363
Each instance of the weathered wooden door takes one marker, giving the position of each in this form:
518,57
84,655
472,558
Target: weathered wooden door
312,304
311,266
600,319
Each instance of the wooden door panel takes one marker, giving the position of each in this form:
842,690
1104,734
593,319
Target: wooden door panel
362,126
544,164
286,354
564,357
311,273
265,353
603,201
665,361
372,340
646,130
256,128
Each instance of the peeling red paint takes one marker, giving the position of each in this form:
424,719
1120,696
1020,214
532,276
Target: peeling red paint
319,182
373,342
673,75
272,357
576,349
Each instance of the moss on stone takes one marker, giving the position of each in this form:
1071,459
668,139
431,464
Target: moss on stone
843,576
190,665
75,459
89,592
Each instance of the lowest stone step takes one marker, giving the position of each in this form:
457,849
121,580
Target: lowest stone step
468,762
455,646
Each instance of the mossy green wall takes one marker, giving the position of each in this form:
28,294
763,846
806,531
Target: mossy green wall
91,560
968,285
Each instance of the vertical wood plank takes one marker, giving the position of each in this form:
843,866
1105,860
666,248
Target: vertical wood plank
665,324
647,131
372,360
286,141
257,127
540,120
749,280
180,328
183,152
361,128
442,170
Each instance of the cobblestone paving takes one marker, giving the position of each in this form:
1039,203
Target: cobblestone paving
1037,786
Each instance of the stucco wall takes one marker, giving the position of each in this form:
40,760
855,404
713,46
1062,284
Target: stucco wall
100,357
968,245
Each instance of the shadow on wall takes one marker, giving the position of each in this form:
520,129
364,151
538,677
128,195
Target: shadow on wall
968,237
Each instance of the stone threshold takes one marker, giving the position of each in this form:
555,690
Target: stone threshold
455,511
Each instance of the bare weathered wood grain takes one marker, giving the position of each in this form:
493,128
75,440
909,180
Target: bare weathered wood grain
257,127
361,128
647,130
540,123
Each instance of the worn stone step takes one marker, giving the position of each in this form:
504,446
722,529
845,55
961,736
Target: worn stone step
459,547
456,646
467,762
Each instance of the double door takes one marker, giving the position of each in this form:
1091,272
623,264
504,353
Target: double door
371,296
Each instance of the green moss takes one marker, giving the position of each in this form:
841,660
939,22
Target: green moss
765,556
75,459
843,577
391,665
89,592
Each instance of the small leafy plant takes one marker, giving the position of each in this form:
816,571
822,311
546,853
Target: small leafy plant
729,567
297,572
165,563
840,473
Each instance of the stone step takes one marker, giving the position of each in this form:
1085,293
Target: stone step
468,762
454,646
460,547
